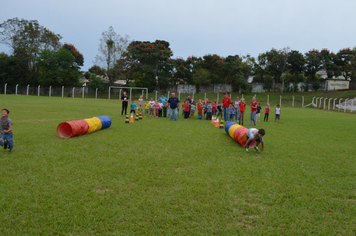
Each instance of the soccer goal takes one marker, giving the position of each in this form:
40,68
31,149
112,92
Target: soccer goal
116,89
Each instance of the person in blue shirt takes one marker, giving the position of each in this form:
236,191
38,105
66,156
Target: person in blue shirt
133,106
173,102
232,111
163,99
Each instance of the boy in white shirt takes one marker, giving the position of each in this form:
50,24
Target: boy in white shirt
277,112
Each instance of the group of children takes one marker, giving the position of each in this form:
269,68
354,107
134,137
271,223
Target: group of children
151,108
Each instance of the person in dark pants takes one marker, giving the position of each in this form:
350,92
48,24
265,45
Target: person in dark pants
125,101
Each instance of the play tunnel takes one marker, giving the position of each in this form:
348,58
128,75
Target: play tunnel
238,133
79,127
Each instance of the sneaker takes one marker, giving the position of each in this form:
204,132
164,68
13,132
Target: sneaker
257,149
246,149
5,144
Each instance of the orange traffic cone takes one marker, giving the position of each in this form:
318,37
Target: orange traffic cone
212,119
131,119
217,122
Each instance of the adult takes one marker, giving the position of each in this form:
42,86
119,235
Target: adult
125,101
253,106
226,103
163,99
173,102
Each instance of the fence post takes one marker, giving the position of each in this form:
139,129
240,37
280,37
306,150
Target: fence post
242,96
142,93
73,92
345,104
217,98
340,103
352,104
267,99
329,103
302,101
293,102
38,90
179,96
96,93
130,92
5,88
28,87
280,100
83,92
320,102
156,96
168,95
16,89
334,104
62,91
50,91
120,94
230,95
316,103
193,96
324,102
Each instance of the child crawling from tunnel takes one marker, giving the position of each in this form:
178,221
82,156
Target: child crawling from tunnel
255,134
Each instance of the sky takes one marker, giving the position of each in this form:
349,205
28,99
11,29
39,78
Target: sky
195,27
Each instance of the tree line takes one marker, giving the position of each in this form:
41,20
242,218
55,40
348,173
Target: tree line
38,58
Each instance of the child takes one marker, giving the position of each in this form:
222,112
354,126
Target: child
140,103
214,108
6,140
182,109
186,109
254,134
147,107
258,112
266,113
192,109
232,111
237,109
200,110
219,110
152,107
157,108
165,107
242,111
277,112
209,109
205,106
133,106
160,108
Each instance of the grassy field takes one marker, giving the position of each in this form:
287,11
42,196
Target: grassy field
156,177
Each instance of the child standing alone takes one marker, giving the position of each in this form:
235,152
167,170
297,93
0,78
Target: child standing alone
277,113
266,113
6,140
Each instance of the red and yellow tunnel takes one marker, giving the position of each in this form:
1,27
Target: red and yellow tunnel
238,133
79,127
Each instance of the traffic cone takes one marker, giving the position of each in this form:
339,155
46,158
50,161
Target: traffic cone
221,124
136,119
131,118
212,120
127,119
140,116
217,122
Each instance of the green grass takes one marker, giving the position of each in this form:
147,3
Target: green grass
156,177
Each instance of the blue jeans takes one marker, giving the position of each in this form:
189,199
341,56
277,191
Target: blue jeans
237,116
9,138
226,114
200,116
174,113
252,118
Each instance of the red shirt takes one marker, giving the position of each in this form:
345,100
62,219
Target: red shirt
200,109
242,106
214,106
254,104
267,110
186,107
226,102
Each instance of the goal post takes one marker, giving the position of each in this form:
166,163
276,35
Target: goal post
138,88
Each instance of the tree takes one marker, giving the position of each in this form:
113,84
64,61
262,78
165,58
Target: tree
95,82
78,57
201,76
314,63
296,62
57,68
111,49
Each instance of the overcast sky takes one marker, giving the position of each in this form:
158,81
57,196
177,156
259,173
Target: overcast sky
195,27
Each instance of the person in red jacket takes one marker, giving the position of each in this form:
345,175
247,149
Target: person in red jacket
242,111
253,106
225,104
186,109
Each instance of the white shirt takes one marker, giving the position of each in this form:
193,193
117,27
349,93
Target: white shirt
237,103
278,111
152,104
